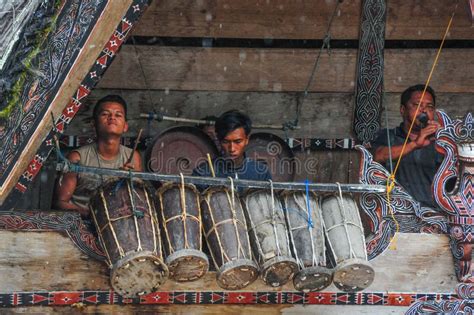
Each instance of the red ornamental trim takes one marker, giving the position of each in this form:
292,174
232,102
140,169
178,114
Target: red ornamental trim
62,298
92,78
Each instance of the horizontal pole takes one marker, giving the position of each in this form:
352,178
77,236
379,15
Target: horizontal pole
216,181
161,117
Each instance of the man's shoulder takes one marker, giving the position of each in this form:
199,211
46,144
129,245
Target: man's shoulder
84,150
382,137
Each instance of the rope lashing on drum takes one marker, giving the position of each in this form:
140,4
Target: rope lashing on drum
391,179
274,215
326,44
137,213
344,221
111,226
308,205
183,208
235,220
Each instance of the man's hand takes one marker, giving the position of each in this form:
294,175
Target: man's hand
426,135
128,166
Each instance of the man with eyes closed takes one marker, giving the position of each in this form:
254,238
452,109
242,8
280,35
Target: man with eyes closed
74,190
420,160
233,130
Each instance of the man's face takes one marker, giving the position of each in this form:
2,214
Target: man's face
111,119
234,143
409,109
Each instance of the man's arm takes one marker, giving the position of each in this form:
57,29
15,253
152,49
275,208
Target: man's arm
66,186
423,139
135,164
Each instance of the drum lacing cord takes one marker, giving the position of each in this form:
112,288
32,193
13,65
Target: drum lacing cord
391,179
346,222
308,207
112,230
310,230
274,215
136,214
99,231
182,191
234,215
153,220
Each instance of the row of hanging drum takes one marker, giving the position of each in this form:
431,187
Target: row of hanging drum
288,233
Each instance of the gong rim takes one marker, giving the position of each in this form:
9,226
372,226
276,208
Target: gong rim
178,150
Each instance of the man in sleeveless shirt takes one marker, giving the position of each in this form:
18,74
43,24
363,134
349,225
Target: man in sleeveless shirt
74,190
420,160
233,131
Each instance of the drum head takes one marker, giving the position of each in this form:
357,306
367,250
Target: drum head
179,150
274,151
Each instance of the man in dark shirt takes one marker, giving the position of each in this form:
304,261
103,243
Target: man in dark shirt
420,160
233,130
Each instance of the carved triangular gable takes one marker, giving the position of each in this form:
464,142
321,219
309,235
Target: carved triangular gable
86,37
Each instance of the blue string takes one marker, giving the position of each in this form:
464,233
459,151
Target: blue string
310,220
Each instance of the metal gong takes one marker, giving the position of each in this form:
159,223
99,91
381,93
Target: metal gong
179,150
275,152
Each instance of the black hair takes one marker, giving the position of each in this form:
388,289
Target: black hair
406,95
230,121
109,99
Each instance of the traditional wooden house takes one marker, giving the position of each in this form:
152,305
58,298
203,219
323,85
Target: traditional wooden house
316,77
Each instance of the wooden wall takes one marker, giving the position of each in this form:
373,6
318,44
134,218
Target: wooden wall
35,265
267,82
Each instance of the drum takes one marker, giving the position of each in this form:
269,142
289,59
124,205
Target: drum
269,237
345,235
126,223
179,150
305,226
226,235
180,219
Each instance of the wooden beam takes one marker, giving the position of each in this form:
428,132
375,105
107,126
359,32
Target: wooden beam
250,19
279,70
406,20
323,115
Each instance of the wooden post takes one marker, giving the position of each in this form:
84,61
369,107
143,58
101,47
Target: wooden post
369,87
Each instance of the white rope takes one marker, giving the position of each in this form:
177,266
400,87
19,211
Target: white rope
183,209
277,243
344,221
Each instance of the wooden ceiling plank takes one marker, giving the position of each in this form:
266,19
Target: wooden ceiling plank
280,70
288,19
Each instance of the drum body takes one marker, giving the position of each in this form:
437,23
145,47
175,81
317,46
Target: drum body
180,219
125,218
305,226
345,236
269,237
227,238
